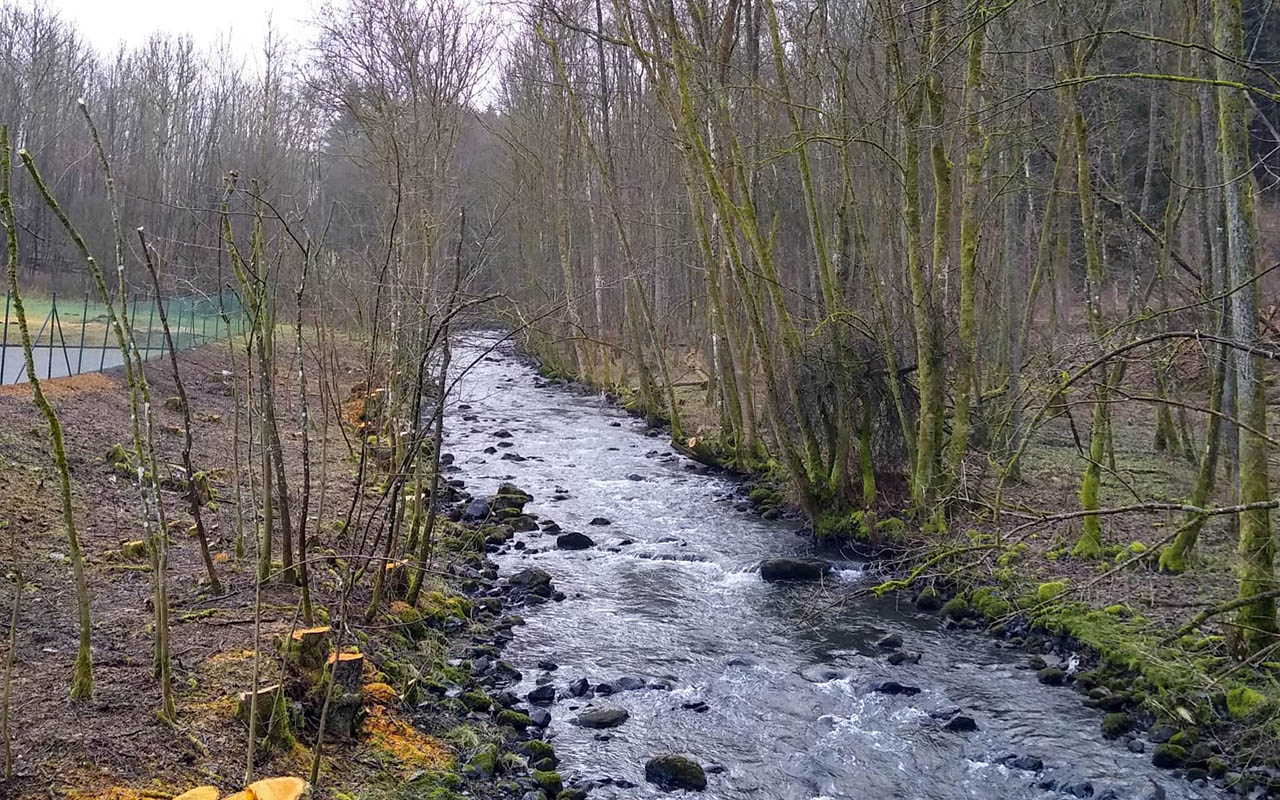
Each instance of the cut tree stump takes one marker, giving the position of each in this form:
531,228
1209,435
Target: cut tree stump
273,723
308,647
278,789
396,579
200,793
347,705
348,671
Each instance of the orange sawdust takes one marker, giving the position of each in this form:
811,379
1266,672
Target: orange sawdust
403,742
381,693
217,707
229,655
54,388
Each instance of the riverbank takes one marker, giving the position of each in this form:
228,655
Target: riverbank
423,713
1109,627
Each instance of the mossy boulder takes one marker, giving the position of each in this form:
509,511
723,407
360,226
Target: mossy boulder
672,772
1051,676
929,599
477,701
1115,725
485,762
1169,756
1244,703
538,750
514,719
410,618
549,780
958,608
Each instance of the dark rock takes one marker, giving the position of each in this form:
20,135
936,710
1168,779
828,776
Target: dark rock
793,569
544,695
602,718
634,477
606,688
476,509
513,457
540,717
530,579
929,599
961,724
904,657
891,642
502,434
578,687
673,772
1136,746
1161,734
574,541
1025,763
628,684
696,706
549,666
600,521
1081,789
894,688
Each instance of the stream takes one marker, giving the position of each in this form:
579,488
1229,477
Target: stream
770,695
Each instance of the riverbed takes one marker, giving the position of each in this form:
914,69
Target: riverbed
769,684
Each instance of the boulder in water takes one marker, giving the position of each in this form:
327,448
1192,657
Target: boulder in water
602,718
961,724
600,521
894,688
574,541
542,696
774,570
671,773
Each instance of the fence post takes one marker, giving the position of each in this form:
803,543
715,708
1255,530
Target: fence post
53,317
84,320
150,321
4,347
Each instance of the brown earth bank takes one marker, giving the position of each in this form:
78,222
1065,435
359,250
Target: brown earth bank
1151,649
429,717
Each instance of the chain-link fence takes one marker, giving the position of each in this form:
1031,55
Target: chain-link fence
69,338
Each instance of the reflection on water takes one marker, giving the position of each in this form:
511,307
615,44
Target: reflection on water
787,710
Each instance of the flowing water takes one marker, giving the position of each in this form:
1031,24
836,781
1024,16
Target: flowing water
789,714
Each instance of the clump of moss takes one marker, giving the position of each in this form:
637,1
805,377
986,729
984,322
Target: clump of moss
549,780
1046,592
987,603
1116,724
1051,676
514,719
1169,756
477,700
537,750
1245,703
957,608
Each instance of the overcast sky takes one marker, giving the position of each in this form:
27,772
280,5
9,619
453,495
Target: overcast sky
106,23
